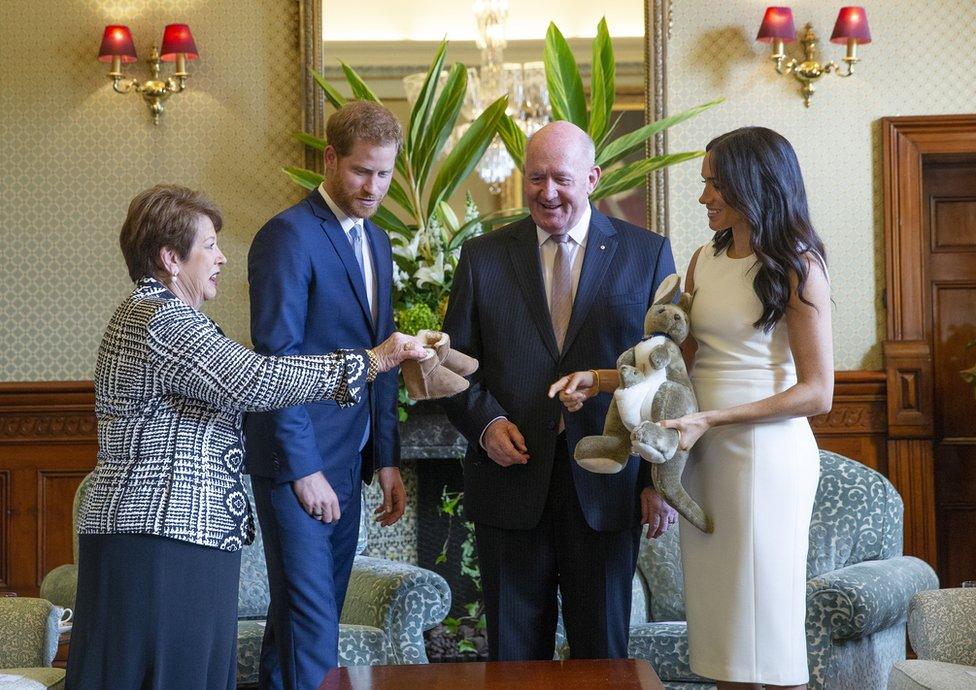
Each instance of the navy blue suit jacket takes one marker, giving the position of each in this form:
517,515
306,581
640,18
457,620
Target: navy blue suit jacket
308,297
499,314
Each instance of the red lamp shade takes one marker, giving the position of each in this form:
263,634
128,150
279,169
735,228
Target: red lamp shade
777,24
852,22
178,39
117,40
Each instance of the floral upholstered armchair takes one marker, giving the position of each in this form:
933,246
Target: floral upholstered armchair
858,587
28,643
942,630
388,606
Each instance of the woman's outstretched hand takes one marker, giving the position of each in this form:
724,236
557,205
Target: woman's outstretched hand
397,348
690,428
574,389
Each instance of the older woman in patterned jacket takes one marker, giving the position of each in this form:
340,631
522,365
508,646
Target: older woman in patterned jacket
165,517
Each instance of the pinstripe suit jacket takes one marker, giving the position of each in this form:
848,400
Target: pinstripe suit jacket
170,391
498,312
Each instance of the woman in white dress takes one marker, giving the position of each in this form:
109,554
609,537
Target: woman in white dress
761,362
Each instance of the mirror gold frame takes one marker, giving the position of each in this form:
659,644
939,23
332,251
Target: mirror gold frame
657,29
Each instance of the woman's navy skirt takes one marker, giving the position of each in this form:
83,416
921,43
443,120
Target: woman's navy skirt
153,612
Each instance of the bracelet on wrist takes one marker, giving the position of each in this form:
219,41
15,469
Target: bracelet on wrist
374,366
596,376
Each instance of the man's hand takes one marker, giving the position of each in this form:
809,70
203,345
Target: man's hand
656,513
394,497
317,497
505,443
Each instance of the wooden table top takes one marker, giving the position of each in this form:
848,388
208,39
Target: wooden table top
539,675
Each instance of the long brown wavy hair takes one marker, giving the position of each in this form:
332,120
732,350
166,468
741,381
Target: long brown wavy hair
757,173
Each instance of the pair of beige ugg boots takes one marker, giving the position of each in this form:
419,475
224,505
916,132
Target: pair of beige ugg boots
441,374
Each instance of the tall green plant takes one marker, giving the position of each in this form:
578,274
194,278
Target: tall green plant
567,99
426,244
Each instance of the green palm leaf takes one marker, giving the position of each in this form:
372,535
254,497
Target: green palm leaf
336,99
309,140
489,220
306,178
397,194
628,143
630,175
514,139
443,117
607,135
389,222
420,113
466,153
563,79
358,86
601,82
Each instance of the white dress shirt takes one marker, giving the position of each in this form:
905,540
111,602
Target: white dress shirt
347,222
547,252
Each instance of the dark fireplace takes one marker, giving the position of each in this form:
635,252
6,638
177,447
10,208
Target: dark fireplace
435,449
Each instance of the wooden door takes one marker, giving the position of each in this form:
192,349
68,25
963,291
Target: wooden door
949,223
930,246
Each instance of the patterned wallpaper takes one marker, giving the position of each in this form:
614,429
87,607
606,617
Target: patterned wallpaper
74,153
920,62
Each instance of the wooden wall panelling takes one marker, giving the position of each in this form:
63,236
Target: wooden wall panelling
4,523
47,445
911,468
856,423
55,500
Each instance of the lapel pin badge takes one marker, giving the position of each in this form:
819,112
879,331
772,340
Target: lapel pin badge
603,246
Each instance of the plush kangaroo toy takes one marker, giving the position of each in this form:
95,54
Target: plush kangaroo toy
654,385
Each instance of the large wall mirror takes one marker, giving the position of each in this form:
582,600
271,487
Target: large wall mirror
384,49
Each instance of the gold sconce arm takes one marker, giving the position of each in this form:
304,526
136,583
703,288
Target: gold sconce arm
178,46
776,29
154,90
809,70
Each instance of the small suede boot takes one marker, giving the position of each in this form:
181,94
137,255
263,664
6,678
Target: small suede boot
456,361
429,378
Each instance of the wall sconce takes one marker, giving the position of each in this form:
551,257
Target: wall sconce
178,47
777,28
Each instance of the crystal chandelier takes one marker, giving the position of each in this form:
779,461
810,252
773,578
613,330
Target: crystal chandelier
525,85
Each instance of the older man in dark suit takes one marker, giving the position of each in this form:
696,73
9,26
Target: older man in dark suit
563,290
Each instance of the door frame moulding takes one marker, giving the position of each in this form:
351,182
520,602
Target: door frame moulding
907,141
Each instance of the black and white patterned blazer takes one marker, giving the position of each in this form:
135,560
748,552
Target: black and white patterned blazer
170,393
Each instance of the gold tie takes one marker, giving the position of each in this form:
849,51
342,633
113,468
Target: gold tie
561,299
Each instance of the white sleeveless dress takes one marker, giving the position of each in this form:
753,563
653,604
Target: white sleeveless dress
745,584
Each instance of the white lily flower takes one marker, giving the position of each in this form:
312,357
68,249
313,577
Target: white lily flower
432,273
408,250
400,277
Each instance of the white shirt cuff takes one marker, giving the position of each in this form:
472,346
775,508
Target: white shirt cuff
481,439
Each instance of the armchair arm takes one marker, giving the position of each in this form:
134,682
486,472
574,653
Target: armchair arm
942,625
400,599
863,598
30,632
60,585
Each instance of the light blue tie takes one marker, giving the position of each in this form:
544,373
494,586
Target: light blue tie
356,240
